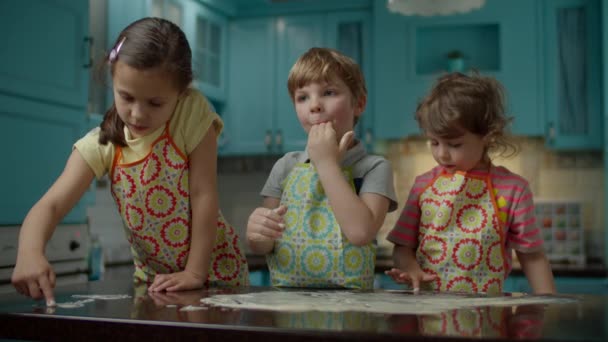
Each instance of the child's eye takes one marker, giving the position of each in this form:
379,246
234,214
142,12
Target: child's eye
433,142
301,98
156,104
455,145
329,92
126,97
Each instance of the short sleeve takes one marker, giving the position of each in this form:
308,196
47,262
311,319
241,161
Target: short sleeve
405,231
192,118
523,234
379,180
99,157
274,184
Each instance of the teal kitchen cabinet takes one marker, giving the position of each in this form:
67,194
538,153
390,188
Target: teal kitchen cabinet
499,40
259,115
44,74
249,111
572,36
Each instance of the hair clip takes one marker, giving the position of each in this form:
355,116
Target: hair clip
115,51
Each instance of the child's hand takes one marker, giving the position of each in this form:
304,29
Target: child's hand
323,145
266,224
34,277
413,277
178,281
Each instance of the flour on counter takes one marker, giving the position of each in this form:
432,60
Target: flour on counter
88,299
103,297
395,302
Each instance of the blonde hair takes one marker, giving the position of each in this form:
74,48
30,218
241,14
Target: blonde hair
458,103
327,65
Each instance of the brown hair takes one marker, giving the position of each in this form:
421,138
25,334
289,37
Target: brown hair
458,103
144,44
325,64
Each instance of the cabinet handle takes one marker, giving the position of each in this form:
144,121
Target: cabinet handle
551,132
368,137
268,139
278,139
88,52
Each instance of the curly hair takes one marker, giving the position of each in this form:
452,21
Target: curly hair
458,103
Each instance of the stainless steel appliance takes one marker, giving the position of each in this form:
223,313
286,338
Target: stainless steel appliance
67,252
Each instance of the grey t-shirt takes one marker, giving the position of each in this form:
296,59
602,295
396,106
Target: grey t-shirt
374,173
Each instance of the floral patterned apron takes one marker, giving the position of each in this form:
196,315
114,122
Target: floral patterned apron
460,236
153,199
313,252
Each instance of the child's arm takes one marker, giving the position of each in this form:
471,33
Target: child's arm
205,209
359,217
265,225
406,268
538,271
33,275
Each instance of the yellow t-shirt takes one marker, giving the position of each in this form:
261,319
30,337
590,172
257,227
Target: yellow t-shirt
189,123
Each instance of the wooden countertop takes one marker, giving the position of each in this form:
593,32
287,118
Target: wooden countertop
158,317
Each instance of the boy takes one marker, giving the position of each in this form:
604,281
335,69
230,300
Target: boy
324,206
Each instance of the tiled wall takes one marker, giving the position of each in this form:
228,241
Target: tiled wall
555,176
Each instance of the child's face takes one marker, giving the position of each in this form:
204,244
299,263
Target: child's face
145,99
463,153
332,102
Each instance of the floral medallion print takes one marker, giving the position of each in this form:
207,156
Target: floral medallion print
150,170
182,258
497,318
434,324
462,284
316,261
285,257
495,258
435,214
226,266
160,202
291,219
467,254
127,183
135,217
354,260
467,322
476,188
148,245
434,249
318,220
176,232
448,185
472,218
492,286
172,158
159,267
183,185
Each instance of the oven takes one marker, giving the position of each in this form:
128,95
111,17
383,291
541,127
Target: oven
67,251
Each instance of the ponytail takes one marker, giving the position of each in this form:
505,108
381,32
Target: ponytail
112,128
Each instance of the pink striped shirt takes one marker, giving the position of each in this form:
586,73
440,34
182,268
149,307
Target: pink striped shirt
515,206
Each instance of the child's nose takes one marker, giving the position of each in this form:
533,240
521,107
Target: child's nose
315,104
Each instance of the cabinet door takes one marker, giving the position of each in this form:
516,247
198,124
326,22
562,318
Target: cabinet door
209,53
349,33
45,50
250,109
410,52
43,99
296,34
573,94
